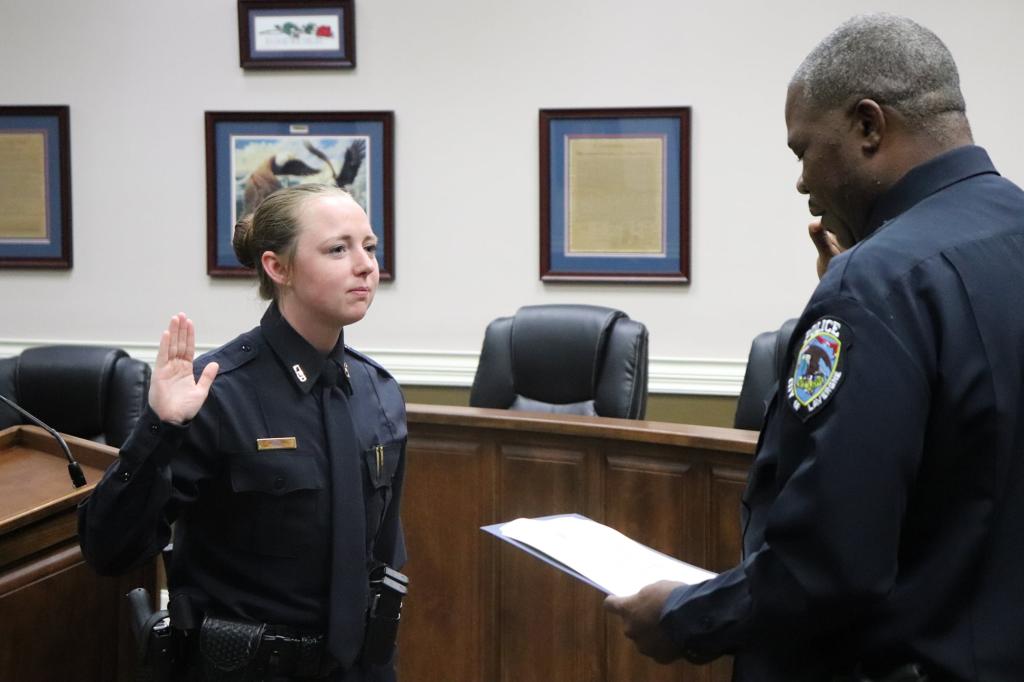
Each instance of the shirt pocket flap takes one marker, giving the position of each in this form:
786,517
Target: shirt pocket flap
382,463
274,474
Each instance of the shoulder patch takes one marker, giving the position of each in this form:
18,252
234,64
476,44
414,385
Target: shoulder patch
818,367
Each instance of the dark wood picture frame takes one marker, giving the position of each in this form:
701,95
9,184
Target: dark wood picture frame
656,252
46,130
305,37
235,138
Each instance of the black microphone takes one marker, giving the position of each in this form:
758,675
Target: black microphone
77,477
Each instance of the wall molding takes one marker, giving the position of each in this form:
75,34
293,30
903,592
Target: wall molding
681,376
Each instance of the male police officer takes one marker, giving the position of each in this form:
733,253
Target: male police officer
884,515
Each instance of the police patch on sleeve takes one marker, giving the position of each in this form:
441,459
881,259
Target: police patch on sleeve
818,368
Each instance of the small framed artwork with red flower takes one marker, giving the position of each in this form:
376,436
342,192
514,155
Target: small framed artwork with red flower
296,34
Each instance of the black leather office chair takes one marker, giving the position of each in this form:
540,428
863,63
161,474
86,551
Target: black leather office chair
766,365
571,359
87,391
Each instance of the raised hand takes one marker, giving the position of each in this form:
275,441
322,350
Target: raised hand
826,244
173,393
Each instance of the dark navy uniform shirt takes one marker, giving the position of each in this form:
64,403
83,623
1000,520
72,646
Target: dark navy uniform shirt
253,527
884,515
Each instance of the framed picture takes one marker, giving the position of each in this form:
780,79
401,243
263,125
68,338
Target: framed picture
35,187
297,34
615,195
251,154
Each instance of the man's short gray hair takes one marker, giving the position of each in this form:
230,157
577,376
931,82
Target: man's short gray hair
889,59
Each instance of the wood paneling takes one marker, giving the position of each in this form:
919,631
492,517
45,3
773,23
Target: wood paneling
544,640
727,486
444,491
481,610
660,502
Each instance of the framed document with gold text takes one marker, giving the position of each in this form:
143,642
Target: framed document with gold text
615,195
35,187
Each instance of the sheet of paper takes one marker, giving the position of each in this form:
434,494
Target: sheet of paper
602,555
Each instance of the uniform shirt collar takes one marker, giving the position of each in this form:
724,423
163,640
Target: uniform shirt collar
299,358
928,178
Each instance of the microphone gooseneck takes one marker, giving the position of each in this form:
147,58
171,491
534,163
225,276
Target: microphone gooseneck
74,470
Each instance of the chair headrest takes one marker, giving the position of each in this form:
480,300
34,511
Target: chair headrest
767,364
557,350
67,386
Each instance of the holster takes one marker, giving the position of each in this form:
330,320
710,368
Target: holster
156,649
387,589
228,647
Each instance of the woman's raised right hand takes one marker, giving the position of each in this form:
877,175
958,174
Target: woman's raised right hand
174,394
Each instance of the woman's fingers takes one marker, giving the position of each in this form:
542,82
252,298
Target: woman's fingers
172,332
177,342
163,352
181,338
183,324
207,377
190,339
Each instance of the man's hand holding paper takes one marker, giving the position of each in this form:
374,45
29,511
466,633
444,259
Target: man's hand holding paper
641,615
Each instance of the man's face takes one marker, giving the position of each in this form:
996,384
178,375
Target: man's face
833,169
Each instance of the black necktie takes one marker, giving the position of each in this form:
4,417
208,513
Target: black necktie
349,582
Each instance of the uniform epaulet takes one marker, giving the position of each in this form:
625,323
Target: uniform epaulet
368,360
230,356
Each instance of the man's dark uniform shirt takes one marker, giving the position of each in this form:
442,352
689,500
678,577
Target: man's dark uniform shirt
884,515
253,526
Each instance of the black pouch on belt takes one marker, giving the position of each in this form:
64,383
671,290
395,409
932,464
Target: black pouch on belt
387,589
228,647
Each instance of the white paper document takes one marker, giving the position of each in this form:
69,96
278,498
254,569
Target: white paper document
598,554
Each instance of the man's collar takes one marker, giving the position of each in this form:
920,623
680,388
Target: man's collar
303,363
928,178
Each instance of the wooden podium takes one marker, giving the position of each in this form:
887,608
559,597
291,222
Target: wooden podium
58,619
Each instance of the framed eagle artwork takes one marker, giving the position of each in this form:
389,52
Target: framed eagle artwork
249,155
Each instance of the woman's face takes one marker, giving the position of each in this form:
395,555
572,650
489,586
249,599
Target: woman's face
333,275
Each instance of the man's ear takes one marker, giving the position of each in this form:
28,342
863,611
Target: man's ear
871,123
275,268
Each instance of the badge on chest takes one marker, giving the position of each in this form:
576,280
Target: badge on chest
280,443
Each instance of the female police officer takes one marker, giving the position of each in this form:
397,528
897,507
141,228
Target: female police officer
279,457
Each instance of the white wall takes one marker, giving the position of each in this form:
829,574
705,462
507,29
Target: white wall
465,79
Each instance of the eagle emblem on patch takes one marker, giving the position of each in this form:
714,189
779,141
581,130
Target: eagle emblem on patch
818,369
